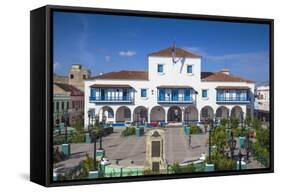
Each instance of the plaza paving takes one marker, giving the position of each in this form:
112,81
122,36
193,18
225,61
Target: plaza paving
131,150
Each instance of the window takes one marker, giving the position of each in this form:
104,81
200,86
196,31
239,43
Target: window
58,106
62,105
84,76
67,105
160,68
204,93
143,93
189,69
71,76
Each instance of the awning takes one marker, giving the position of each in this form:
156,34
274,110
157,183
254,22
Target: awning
233,87
110,86
175,86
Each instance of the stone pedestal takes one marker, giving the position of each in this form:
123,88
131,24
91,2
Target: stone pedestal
209,167
242,142
65,150
243,165
100,153
139,131
93,174
88,138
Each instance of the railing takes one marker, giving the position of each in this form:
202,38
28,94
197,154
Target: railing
233,99
175,99
111,99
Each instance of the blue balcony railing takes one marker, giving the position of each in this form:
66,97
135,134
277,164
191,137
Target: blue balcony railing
122,99
175,99
235,99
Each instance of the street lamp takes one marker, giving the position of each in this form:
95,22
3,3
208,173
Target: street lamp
100,130
210,122
247,146
232,145
240,156
93,135
64,120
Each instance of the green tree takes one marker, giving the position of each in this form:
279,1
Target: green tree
219,138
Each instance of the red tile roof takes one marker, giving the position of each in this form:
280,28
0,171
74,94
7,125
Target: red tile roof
233,87
70,88
111,86
220,76
143,75
132,75
174,86
178,51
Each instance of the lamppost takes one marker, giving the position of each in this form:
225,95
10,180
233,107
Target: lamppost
232,145
210,122
240,155
247,146
100,130
95,149
65,120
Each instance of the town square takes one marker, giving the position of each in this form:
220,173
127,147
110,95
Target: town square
170,109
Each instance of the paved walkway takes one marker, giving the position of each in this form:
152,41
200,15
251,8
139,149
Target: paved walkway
133,149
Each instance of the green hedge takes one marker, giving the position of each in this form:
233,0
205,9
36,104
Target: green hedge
194,129
128,131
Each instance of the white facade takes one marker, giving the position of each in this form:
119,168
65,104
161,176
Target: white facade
172,95
263,98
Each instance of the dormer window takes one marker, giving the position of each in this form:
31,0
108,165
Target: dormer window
189,69
160,68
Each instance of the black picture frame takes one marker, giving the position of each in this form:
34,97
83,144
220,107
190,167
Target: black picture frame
41,61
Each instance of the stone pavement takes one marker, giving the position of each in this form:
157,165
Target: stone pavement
131,150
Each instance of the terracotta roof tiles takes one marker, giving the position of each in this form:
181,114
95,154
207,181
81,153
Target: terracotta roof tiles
178,51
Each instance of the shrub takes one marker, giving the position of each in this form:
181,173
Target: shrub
176,168
194,129
128,131
222,162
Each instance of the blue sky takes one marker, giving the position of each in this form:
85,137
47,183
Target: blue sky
104,43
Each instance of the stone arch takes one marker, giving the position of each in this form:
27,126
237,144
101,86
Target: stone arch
140,114
123,114
237,112
222,112
106,114
207,112
191,114
157,114
174,114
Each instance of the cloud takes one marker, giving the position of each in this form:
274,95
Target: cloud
127,53
56,66
107,58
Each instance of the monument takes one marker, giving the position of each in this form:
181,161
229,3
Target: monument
155,151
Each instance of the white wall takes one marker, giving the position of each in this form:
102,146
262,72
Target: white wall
172,75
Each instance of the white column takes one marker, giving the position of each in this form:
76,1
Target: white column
182,114
166,114
148,114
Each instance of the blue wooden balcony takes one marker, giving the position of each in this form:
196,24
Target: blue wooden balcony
113,99
233,99
174,99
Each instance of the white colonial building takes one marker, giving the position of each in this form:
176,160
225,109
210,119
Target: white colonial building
262,102
172,90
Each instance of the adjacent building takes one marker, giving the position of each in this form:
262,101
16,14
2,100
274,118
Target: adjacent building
174,89
76,76
68,100
262,102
